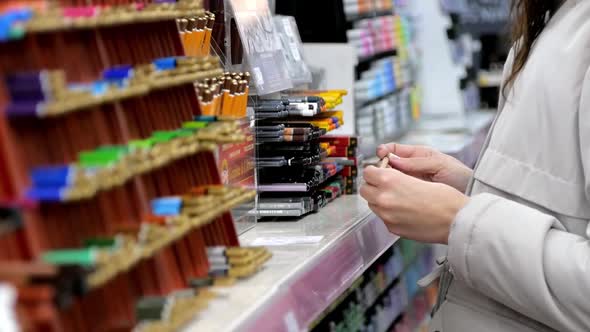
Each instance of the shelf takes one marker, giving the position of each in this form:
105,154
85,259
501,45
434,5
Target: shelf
405,310
384,293
396,320
377,56
54,20
314,261
90,180
132,253
371,14
72,100
385,96
297,187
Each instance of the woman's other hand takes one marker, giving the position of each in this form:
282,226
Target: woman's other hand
427,164
410,207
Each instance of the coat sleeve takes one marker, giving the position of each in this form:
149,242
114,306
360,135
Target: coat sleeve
524,258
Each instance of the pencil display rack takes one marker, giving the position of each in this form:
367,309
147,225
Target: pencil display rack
112,200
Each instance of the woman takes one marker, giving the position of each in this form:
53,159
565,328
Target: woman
518,242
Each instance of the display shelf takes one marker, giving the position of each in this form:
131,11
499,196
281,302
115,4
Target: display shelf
59,19
365,61
370,14
384,293
373,101
314,261
396,320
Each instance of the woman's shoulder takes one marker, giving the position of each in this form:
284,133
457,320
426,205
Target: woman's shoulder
567,45
574,20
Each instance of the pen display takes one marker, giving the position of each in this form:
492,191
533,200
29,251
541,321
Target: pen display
111,203
299,168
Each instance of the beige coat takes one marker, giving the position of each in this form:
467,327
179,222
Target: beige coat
520,250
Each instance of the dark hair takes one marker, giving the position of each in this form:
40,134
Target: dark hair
529,18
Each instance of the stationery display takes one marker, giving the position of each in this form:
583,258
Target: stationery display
140,140
345,152
113,216
385,297
294,172
372,36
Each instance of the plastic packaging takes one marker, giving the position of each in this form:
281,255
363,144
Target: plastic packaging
292,49
262,49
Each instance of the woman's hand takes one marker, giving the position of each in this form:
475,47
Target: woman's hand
410,207
427,164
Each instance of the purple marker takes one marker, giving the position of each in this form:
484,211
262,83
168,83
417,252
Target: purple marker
23,108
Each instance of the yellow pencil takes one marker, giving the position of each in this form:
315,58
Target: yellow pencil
200,36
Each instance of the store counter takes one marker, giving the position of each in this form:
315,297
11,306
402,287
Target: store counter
314,260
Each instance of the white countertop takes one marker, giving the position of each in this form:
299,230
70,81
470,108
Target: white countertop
314,261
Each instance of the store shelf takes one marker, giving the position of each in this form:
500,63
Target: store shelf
367,60
385,96
314,261
371,14
396,320
379,299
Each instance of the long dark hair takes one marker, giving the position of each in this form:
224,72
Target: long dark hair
529,19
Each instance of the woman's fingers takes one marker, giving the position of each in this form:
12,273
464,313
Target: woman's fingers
370,193
422,165
380,177
403,151
393,226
